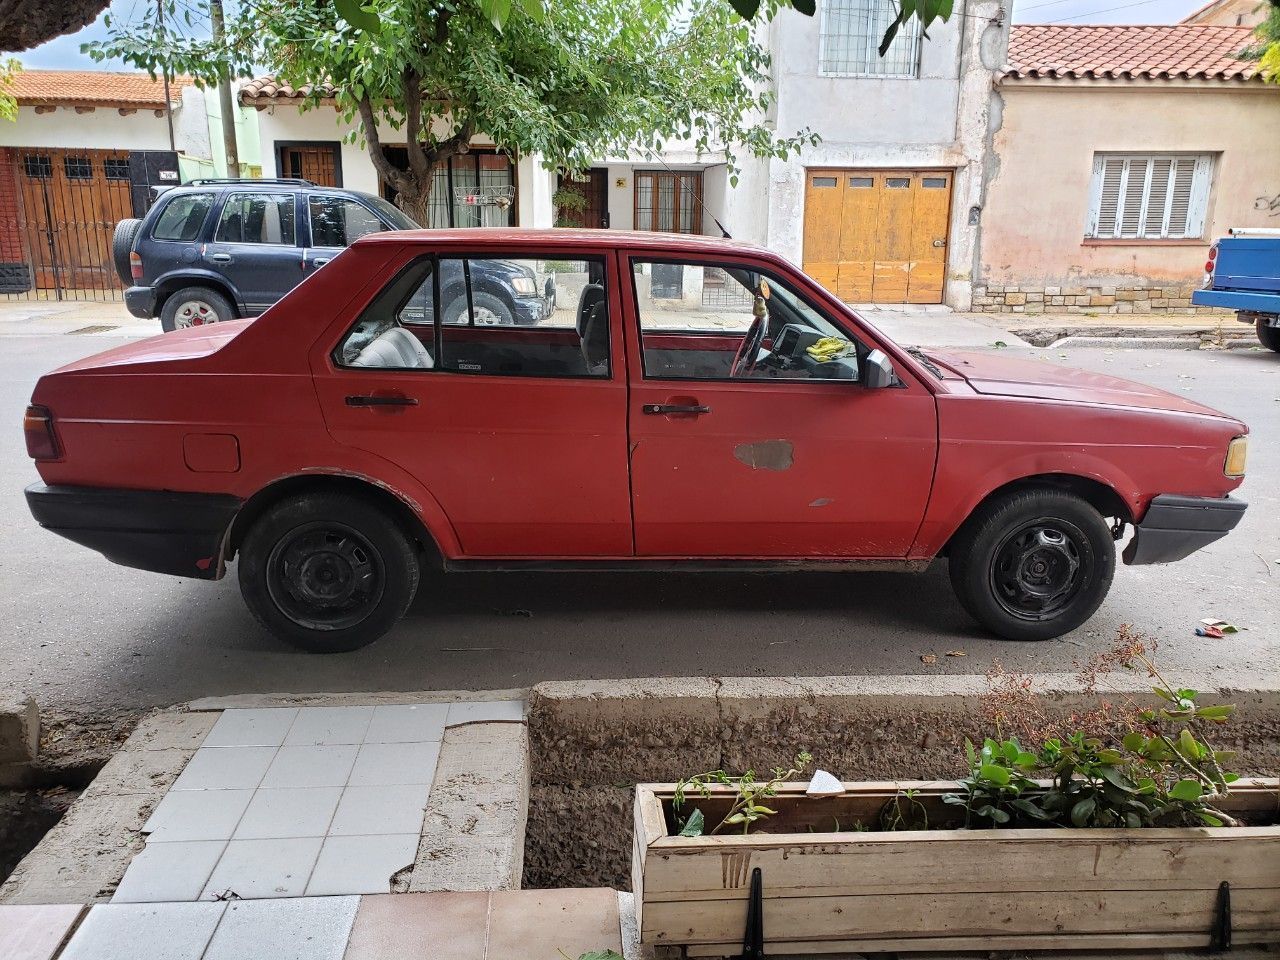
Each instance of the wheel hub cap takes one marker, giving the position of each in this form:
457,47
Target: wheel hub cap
1037,571
325,576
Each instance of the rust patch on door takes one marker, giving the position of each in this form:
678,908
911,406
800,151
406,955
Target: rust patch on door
765,454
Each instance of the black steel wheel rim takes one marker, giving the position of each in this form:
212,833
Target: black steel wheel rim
325,576
1040,569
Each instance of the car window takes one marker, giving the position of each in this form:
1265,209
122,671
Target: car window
500,316
257,218
182,217
339,222
702,321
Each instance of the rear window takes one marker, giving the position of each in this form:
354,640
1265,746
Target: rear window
183,216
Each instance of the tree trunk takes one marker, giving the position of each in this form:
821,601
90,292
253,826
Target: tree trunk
416,203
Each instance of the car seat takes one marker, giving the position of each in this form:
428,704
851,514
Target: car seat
395,348
593,326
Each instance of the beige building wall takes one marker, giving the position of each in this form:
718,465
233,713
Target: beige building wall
1035,257
1230,13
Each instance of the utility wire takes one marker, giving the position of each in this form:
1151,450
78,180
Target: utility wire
1095,13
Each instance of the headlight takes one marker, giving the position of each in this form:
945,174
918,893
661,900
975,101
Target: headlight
1237,454
525,286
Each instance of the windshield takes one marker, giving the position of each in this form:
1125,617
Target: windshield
392,214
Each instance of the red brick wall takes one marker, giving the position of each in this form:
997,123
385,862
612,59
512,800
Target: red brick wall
11,245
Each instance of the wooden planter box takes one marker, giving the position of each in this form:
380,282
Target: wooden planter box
826,892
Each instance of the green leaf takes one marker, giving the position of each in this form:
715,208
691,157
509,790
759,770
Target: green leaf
1186,790
970,754
1134,741
1188,745
994,773
747,9
1030,809
1117,778
807,7
601,955
351,11
1217,714
1209,818
887,40
736,818
534,9
1164,694
695,825
1083,810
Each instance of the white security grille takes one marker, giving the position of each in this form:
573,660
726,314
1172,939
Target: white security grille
850,37
1148,197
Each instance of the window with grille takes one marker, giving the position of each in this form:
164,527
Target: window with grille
77,168
1148,197
850,36
37,165
116,168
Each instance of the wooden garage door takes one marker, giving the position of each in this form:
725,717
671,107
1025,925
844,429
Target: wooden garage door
71,202
878,236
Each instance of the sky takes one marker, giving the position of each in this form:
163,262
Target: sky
64,52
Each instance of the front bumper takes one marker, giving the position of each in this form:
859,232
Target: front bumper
1176,527
175,533
141,302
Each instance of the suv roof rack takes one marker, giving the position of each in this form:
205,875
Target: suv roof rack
202,181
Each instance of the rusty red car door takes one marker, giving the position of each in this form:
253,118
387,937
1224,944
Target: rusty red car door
776,462
492,403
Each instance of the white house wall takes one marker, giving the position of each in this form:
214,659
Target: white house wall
105,128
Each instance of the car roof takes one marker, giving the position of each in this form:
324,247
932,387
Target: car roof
268,184
562,237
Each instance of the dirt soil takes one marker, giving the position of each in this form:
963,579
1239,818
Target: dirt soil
73,748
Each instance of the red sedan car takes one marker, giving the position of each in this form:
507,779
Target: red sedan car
689,403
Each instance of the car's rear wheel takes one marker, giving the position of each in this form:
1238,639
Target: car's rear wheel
122,238
1270,336
327,572
195,307
1033,564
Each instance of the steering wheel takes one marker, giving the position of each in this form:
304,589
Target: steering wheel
744,361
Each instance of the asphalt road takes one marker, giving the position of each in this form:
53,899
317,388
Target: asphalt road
82,634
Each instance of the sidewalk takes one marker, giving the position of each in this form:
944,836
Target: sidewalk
908,324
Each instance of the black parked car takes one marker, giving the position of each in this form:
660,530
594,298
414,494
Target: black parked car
219,249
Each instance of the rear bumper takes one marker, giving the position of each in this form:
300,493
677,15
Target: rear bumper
141,302
175,533
1176,527
1237,300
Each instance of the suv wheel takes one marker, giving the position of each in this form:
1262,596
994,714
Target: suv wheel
1270,336
327,572
194,307
1033,565
487,311
122,238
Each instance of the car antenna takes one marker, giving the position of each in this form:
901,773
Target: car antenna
698,196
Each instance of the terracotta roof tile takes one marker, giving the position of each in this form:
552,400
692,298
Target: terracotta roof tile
92,88
263,90
1180,51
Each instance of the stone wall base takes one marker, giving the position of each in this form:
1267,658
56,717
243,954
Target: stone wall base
1025,298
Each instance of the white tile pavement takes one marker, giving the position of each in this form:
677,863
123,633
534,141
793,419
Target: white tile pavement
292,802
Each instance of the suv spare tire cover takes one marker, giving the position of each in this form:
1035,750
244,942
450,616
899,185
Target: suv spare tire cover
121,246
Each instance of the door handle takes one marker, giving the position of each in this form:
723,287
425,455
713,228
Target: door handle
939,243
319,261
382,400
220,257
662,409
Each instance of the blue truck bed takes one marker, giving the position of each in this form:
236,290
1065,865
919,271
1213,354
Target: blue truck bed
1246,278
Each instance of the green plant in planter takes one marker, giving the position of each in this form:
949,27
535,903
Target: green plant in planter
746,808
1163,771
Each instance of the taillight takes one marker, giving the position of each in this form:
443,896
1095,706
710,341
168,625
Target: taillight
1213,258
37,426
135,266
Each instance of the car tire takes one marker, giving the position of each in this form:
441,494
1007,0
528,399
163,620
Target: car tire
122,238
486,305
1034,564
193,307
1269,336
327,572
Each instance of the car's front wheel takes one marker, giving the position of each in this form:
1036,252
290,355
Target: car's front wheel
1033,564
1269,336
195,307
327,572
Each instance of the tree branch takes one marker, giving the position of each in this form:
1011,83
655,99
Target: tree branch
389,174
411,86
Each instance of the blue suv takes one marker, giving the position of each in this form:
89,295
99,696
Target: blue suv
215,250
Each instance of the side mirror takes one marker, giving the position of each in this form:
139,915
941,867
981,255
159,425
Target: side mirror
879,372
